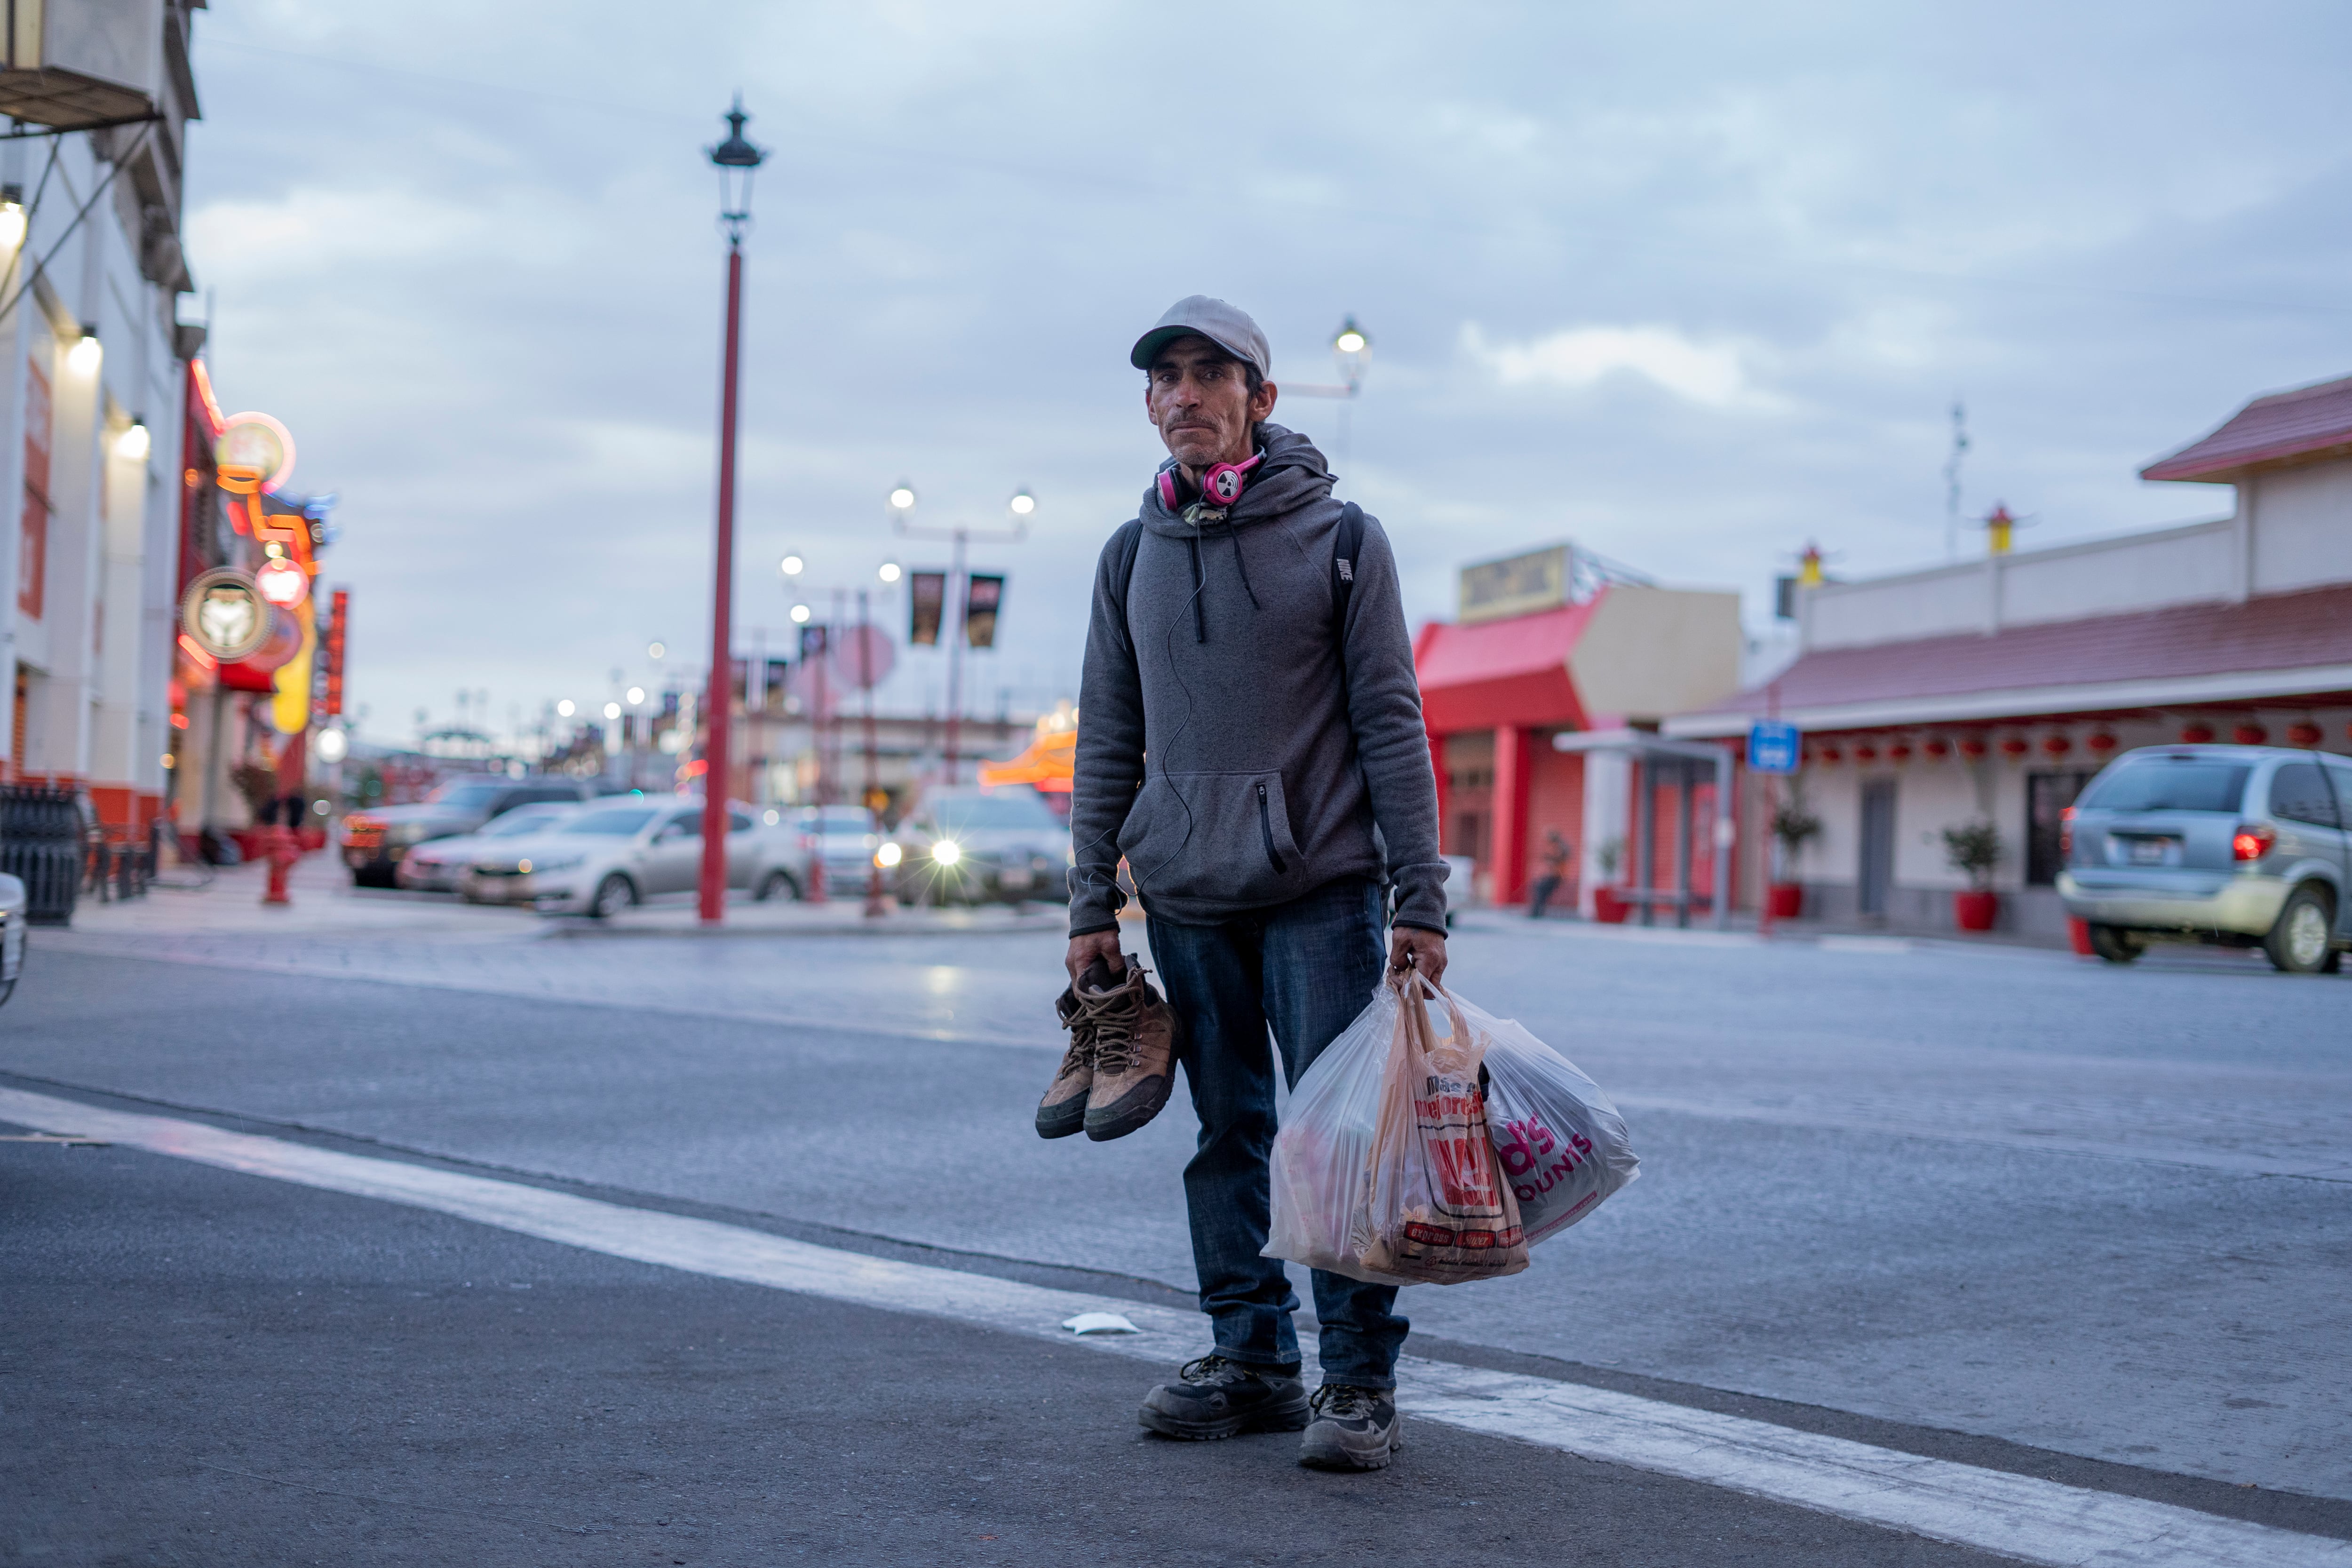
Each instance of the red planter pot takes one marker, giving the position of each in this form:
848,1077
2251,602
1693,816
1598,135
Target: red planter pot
1975,909
1787,900
1608,908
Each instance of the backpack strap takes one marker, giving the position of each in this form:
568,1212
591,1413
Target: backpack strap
1124,545
1346,543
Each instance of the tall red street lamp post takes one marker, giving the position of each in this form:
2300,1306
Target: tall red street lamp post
737,161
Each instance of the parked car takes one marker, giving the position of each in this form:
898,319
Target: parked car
375,841
13,907
974,846
2238,845
439,864
844,837
620,852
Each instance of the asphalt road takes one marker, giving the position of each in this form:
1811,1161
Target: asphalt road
2001,1195
207,1367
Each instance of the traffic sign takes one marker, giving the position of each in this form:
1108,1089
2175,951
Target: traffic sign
1773,747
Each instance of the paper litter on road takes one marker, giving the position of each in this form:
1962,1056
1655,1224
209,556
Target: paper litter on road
1099,1323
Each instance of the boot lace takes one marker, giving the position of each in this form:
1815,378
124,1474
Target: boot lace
1342,1401
1213,1371
1115,1020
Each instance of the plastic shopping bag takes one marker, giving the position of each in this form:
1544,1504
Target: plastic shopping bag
1385,1170
1438,1208
1563,1146
1323,1156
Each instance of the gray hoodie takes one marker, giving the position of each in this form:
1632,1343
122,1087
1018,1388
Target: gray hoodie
1236,751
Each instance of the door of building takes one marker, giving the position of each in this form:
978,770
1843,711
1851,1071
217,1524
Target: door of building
1877,869
2047,797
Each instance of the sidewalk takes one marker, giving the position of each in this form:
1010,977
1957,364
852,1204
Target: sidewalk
326,903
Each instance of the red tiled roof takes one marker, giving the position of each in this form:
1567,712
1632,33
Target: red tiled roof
1511,671
2274,632
2310,422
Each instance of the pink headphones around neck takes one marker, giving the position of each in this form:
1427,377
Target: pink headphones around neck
1220,487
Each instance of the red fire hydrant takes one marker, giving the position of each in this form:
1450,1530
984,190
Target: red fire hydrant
283,850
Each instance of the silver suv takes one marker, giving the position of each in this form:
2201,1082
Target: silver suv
2238,845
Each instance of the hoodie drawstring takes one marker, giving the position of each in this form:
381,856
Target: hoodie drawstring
1200,589
1200,616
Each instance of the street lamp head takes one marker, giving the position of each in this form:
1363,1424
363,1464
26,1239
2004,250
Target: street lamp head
1350,339
655,650
1023,503
890,572
1351,346
566,708
800,615
793,565
636,696
737,159
612,710
903,498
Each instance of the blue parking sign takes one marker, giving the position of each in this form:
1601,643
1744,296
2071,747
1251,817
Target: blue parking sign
1773,747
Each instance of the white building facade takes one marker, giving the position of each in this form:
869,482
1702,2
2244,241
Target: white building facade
92,376
1992,691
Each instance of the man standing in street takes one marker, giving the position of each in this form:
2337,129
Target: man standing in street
1253,745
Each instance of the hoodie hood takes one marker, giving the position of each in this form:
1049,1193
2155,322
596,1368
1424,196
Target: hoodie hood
1293,476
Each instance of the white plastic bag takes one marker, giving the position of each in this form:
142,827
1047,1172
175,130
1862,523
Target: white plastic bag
1322,1160
1563,1146
1371,1174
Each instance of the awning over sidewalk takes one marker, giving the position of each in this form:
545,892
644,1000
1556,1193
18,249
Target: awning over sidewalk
1504,672
2272,647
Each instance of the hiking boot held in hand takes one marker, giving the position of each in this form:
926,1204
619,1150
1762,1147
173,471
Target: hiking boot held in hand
1214,1397
1353,1429
1063,1109
1135,1050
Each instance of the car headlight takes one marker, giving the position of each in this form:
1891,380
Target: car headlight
888,855
543,865
947,852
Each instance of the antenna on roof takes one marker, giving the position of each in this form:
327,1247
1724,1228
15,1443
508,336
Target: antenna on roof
1952,480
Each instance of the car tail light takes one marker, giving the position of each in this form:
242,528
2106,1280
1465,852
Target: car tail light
2253,841
2066,833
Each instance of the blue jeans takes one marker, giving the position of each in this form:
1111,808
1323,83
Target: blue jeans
1306,968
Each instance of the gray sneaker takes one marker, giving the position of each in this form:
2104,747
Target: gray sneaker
1214,1397
1353,1429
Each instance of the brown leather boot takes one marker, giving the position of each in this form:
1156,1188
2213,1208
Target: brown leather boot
1063,1109
1135,1050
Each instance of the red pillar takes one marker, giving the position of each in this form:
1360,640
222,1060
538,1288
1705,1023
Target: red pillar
718,696
1514,783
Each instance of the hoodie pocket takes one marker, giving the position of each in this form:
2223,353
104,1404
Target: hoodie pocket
1214,838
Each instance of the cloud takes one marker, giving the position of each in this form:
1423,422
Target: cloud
1707,373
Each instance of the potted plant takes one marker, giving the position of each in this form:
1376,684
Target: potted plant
1791,826
1607,906
1973,849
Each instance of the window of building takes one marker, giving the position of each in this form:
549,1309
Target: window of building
2047,797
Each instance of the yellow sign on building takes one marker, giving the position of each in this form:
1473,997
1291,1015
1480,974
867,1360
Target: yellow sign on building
1516,585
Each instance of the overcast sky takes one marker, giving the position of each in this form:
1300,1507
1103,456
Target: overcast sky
1686,283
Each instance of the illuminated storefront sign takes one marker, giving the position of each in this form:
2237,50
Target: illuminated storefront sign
224,613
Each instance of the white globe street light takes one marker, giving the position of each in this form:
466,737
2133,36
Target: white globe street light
800,615
655,650
636,696
612,710
903,498
1023,503
793,565
890,572
566,708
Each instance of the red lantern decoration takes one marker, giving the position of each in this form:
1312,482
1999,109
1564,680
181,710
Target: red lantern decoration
1865,753
2196,734
2056,746
1899,752
2305,733
2013,746
2250,734
1830,755
1973,748
2100,742
1937,747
